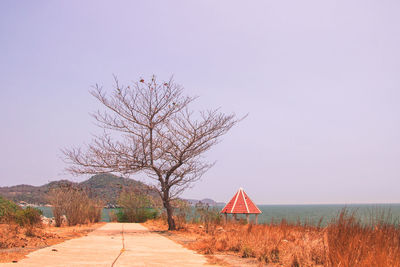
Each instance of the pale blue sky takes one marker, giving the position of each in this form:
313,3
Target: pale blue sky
319,79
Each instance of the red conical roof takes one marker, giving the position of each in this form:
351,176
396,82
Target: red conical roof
240,203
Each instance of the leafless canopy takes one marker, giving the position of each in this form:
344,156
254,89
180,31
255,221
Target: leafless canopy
158,134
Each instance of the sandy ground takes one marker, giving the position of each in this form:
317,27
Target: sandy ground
15,243
115,244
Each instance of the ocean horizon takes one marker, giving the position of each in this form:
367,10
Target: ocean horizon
324,213
306,213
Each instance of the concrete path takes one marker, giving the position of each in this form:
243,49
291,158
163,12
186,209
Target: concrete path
115,244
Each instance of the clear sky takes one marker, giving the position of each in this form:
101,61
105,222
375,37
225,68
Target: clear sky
319,79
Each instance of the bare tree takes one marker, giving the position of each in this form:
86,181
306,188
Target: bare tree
157,134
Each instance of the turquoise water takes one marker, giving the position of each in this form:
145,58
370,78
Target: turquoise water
304,213
47,212
314,213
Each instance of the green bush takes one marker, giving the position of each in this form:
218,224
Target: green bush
121,216
138,216
10,212
28,217
7,209
135,207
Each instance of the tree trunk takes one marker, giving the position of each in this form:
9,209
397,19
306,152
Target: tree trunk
170,210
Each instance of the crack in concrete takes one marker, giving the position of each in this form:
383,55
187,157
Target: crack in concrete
123,247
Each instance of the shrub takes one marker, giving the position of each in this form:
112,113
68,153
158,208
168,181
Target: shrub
146,214
121,216
75,203
94,211
182,209
113,216
28,217
209,216
135,207
7,210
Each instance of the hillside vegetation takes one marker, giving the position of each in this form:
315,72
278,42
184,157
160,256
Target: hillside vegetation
107,187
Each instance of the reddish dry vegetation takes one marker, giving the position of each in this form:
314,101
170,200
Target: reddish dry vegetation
344,242
16,241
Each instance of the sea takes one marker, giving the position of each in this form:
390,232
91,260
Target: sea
306,214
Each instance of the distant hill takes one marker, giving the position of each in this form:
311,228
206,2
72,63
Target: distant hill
105,186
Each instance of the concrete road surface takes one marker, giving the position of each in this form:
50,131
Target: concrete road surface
115,244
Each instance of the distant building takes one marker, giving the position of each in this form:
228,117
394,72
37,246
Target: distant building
22,203
241,204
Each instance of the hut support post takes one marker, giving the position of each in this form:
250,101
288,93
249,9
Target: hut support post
256,218
226,218
234,216
247,218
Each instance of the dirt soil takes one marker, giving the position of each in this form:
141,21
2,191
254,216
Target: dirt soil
16,242
188,239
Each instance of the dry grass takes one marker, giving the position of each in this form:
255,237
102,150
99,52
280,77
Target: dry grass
75,204
273,244
349,243
344,242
